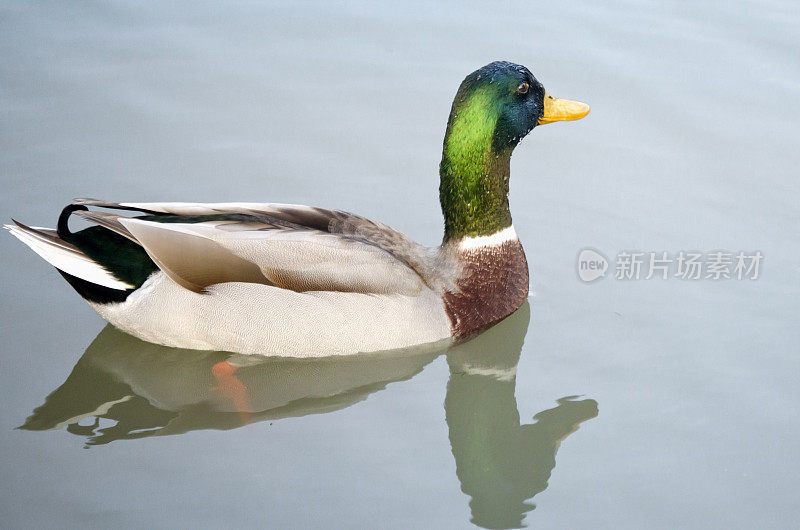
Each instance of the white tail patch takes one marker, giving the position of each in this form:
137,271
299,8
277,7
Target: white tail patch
66,257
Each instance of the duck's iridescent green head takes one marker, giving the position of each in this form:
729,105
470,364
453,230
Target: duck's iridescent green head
502,102
495,107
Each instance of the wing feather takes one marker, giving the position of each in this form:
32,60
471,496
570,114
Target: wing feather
191,261
197,255
106,220
424,261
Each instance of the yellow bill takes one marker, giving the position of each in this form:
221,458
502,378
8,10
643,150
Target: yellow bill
562,110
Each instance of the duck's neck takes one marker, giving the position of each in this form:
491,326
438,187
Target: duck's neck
474,176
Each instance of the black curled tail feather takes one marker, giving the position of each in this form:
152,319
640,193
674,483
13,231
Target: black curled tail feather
62,229
126,260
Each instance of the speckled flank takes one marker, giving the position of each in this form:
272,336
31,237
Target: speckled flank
492,285
252,318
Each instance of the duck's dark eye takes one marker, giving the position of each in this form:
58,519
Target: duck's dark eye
523,88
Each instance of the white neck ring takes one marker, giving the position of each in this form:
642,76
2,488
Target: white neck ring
493,240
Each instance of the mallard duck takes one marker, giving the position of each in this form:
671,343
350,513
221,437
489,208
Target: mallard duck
281,279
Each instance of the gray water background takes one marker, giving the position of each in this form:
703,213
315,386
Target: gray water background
687,407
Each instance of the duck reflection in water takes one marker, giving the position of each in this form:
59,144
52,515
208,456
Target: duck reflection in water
500,463
124,388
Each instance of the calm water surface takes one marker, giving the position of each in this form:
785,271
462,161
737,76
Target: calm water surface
615,404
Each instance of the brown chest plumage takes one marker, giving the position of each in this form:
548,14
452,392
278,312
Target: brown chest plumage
493,284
